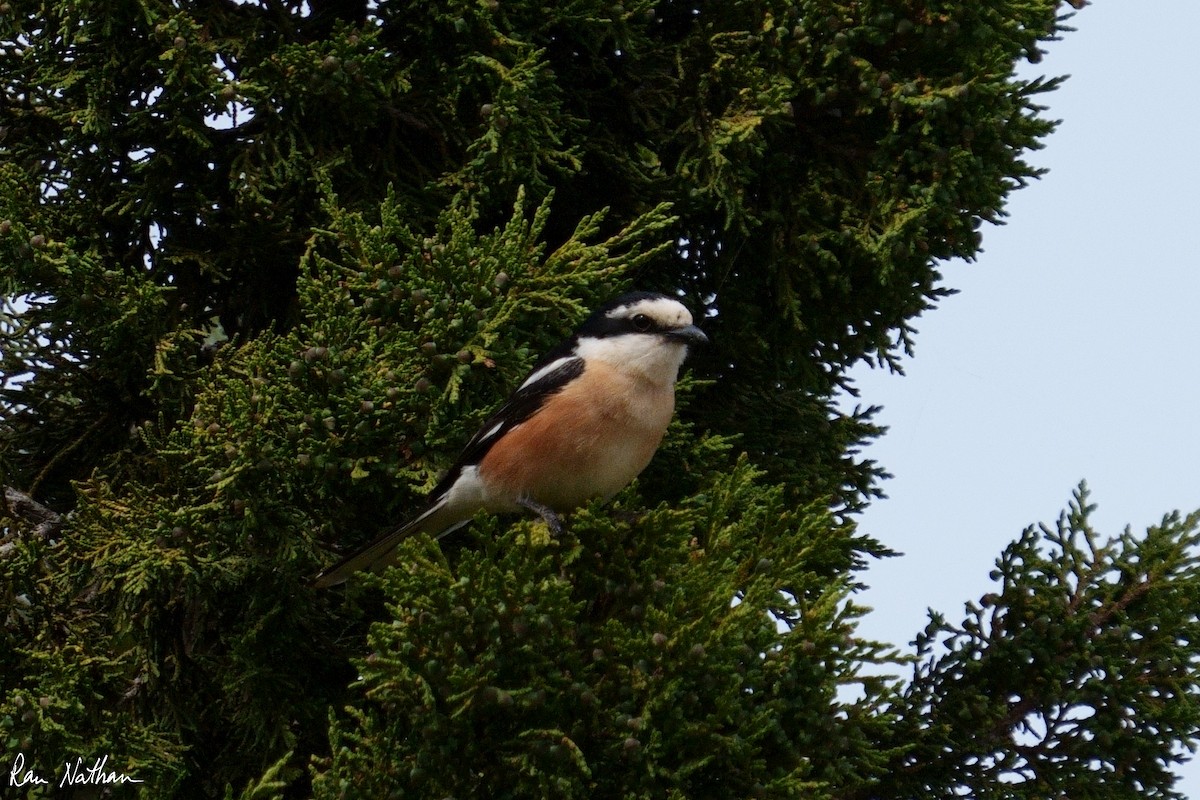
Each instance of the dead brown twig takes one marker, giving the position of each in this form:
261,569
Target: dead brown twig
46,522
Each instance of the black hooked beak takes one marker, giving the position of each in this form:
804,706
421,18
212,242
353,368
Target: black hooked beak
689,334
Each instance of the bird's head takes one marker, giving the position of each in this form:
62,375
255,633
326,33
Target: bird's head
641,331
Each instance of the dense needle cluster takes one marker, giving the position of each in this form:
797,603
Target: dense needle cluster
265,267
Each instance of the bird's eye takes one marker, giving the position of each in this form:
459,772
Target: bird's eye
642,323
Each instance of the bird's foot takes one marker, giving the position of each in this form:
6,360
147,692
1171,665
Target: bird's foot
553,521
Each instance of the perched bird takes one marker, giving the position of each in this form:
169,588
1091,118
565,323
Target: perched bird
583,424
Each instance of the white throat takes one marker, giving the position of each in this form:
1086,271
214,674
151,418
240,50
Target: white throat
650,357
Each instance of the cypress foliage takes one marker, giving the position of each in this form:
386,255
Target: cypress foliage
611,663
265,266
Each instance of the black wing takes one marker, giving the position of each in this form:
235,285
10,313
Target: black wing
522,405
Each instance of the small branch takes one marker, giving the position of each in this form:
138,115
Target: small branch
47,523
62,453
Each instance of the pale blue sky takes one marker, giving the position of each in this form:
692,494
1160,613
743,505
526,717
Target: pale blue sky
1071,352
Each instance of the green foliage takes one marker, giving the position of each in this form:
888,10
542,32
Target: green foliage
1069,678
186,588
611,662
820,160
266,265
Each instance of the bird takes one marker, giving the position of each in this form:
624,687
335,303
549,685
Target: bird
582,425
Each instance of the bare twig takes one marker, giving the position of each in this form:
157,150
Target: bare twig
47,523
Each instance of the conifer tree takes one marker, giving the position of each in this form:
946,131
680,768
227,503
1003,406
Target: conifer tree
266,265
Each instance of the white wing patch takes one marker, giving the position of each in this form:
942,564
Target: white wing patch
541,373
483,437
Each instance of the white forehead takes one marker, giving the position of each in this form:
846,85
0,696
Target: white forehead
663,310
